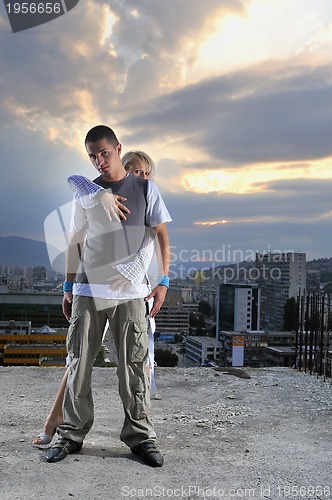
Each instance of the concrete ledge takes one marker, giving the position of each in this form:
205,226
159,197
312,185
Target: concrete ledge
222,436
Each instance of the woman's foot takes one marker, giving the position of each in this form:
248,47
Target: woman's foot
44,438
42,441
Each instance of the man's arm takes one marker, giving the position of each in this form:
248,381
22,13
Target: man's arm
159,292
73,259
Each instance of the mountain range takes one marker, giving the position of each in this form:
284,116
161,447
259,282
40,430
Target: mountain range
18,251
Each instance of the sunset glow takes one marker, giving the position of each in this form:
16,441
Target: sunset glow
231,99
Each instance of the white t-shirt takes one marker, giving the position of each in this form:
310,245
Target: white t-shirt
156,214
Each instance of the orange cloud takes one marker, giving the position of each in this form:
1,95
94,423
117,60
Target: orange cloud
222,221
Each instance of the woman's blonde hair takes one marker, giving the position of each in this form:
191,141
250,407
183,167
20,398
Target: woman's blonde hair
138,157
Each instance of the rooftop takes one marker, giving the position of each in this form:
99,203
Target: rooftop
223,436
204,340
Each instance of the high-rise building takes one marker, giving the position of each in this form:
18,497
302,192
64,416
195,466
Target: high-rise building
238,307
280,276
186,292
313,281
39,274
39,308
174,314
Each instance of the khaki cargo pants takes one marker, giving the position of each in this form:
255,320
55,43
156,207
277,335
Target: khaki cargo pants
129,327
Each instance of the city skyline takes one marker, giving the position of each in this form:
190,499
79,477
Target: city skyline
203,273
231,99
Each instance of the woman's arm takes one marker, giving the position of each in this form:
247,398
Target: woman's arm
160,291
90,194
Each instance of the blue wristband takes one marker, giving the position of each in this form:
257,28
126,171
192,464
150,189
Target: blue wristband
67,286
164,281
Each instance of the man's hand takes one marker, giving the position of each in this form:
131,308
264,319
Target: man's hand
66,305
113,207
159,295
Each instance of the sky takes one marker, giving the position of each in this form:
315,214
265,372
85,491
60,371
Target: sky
231,98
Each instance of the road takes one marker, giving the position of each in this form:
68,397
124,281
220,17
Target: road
183,362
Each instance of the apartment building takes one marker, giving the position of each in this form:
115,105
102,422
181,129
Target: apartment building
202,349
280,276
261,348
38,307
174,314
21,345
238,307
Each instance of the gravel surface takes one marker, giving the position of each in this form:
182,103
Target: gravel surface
223,437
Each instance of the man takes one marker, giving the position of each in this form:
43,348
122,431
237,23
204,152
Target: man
96,246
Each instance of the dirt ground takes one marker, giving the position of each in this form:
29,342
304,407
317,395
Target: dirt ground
223,437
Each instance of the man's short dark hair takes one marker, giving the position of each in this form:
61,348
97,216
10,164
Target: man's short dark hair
100,132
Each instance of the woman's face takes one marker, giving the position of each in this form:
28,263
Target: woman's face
139,169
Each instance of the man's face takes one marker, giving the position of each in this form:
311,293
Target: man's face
105,158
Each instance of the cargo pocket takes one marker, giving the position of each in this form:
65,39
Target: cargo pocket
139,343
73,338
140,410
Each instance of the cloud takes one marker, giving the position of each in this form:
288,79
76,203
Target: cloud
159,40
253,115
72,74
130,64
302,199
58,80
164,27
34,179
295,215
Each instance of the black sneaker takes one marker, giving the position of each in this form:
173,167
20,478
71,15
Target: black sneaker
61,449
148,453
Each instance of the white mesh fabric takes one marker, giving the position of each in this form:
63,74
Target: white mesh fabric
85,189
135,270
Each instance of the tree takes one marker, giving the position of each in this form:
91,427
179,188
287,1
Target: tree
196,319
164,357
291,320
204,308
328,288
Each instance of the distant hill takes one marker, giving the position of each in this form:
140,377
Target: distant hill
323,265
17,251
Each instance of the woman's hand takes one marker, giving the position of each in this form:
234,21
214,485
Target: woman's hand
115,210
118,282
